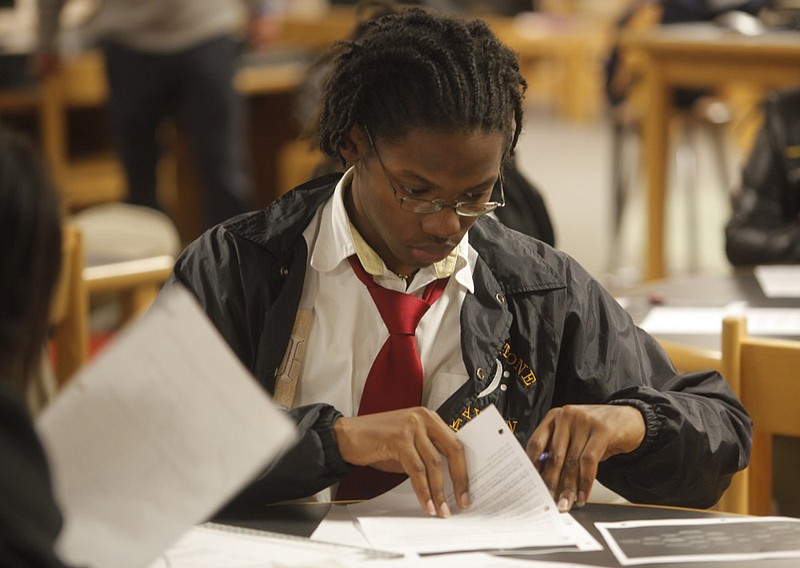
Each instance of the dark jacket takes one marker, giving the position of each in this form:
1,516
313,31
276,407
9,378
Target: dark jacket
29,517
765,225
535,313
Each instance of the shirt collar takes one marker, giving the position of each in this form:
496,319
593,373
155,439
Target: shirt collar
337,239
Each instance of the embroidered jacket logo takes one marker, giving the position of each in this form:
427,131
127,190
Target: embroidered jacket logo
523,370
471,412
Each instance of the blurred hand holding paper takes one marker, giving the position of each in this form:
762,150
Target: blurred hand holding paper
154,436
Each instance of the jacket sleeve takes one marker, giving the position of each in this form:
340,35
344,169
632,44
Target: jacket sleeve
228,277
309,466
697,433
764,227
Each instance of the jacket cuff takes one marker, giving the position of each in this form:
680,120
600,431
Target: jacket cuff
333,459
652,422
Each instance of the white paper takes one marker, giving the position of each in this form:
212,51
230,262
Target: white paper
712,539
215,547
468,560
510,504
339,526
218,546
162,429
708,321
779,281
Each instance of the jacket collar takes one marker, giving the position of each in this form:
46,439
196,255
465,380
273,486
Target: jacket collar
280,224
518,262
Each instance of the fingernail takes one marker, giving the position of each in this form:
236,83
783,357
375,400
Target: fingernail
563,505
431,508
445,510
581,501
464,500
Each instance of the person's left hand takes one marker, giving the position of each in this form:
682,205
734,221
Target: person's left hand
577,438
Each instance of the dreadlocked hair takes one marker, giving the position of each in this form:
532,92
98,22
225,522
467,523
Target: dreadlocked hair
421,69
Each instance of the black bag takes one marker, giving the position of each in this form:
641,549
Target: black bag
525,210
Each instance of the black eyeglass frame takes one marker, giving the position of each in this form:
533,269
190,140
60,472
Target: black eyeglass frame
413,204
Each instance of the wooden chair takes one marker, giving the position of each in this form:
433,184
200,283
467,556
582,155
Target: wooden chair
69,311
689,359
768,374
135,282
85,170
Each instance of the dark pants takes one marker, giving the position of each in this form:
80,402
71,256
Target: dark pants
195,86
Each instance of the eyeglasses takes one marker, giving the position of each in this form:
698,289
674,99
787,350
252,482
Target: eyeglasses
429,206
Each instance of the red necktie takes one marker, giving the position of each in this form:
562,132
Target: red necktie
395,379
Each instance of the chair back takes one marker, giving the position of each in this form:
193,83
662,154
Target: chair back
69,311
768,371
688,359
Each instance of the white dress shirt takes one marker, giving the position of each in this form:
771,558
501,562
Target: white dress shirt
347,330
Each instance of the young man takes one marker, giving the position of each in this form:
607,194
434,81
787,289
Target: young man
423,109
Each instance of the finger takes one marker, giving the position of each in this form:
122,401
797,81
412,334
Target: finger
415,468
568,484
590,460
559,445
537,444
434,470
457,468
448,445
574,420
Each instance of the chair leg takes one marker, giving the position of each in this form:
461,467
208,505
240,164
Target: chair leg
686,174
760,476
618,185
624,169
719,148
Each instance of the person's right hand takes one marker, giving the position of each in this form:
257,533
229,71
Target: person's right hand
411,441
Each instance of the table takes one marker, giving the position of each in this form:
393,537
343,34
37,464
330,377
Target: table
712,290
302,520
69,110
718,290
576,46
696,55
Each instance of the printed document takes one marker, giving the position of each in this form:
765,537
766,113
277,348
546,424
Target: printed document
713,539
155,435
510,504
708,321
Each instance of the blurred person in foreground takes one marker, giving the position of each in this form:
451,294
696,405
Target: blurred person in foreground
423,109
30,256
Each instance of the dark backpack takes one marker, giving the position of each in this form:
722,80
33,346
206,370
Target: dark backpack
525,210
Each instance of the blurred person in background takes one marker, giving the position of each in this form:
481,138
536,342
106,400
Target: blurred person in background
172,58
765,225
